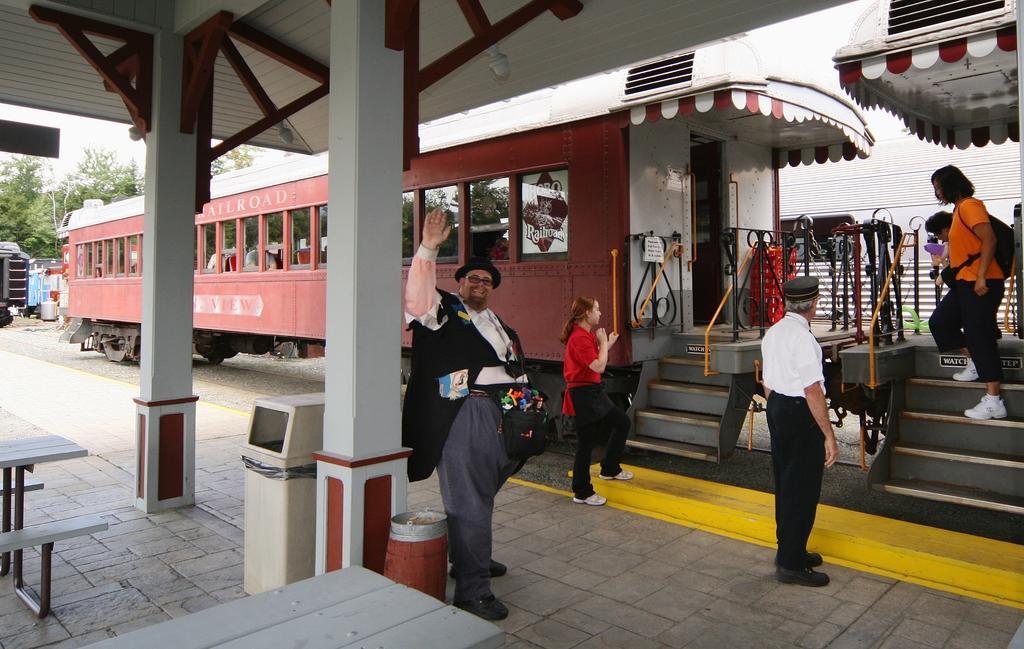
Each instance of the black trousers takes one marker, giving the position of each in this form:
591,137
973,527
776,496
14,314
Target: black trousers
965,319
618,423
798,461
472,469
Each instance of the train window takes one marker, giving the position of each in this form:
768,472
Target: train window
298,223
408,207
80,261
545,215
133,254
251,242
228,251
275,240
89,270
321,218
119,257
97,258
210,247
447,199
488,218
108,252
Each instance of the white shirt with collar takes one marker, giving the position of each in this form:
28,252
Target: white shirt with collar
487,324
791,357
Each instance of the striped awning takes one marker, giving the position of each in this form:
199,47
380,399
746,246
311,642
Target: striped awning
803,123
957,93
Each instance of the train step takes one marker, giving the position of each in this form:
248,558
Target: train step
998,436
675,426
684,369
949,396
994,473
953,494
692,451
688,397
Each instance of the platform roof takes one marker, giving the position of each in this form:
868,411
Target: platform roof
40,69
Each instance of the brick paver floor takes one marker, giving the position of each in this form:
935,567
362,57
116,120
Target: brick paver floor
586,577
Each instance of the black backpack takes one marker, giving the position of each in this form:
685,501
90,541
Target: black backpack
1004,245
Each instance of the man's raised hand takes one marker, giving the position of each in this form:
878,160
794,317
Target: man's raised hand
435,229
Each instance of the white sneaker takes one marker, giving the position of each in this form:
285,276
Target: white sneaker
622,475
595,499
990,407
969,373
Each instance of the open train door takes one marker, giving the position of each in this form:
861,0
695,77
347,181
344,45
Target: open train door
706,230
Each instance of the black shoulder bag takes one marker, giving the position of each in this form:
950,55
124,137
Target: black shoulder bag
524,424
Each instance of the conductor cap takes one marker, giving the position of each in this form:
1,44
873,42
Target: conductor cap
800,289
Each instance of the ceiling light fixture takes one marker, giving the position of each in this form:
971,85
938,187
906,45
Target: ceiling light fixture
285,133
134,134
499,63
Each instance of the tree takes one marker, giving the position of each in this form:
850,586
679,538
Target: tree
25,209
100,175
239,157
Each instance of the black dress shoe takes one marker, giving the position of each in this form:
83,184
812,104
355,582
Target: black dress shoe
805,577
497,570
487,607
812,560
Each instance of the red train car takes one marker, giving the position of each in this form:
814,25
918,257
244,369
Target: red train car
596,187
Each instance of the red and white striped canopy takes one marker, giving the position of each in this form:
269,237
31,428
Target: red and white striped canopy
956,93
803,123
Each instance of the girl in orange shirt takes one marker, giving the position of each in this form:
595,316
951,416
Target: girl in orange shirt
965,319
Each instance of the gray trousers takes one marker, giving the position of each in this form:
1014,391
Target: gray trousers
472,469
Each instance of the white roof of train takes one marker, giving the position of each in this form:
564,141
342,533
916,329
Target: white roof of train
732,63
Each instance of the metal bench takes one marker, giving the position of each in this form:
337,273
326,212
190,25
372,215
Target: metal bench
349,608
45,536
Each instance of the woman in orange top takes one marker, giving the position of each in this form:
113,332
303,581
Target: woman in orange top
965,319
586,355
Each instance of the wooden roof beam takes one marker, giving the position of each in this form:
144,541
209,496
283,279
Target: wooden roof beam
442,67
280,52
201,47
131,62
475,16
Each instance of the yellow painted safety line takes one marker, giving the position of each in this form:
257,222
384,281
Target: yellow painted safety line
953,562
73,370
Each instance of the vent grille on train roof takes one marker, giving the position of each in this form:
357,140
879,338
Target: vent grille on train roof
912,15
676,71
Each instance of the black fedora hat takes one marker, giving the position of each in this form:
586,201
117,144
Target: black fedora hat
480,263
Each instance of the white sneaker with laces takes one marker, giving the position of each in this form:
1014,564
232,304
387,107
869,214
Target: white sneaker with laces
622,475
969,373
595,499
990,407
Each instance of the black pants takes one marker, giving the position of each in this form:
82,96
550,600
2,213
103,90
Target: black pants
618,423
965,319
472,469
798,460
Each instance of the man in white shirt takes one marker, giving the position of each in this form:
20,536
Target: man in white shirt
803,442
461,355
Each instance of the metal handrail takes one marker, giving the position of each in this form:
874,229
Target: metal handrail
872,383
615,292
674,250
693,221
1010,301
718,311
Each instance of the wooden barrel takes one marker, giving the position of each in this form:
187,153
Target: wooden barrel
417,553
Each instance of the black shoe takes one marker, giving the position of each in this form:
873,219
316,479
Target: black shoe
487,607
812,560
805,577
497,570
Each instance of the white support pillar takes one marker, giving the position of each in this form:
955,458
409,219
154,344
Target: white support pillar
361,475
166,421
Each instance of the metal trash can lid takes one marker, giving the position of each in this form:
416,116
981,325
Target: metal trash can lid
419,526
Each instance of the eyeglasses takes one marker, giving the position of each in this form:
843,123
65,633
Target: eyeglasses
475,280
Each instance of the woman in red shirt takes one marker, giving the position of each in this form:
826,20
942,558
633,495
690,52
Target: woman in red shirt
586,355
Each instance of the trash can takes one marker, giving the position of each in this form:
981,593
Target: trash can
418,552
280,490
48,311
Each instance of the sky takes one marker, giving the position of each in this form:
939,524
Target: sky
801,48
